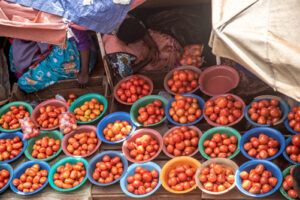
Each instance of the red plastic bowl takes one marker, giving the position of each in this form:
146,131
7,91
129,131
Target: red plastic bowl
218,79
233,123
53,102
148,80
170,74
80,129
153,133
164,148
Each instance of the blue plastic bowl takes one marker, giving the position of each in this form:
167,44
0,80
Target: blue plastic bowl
11,136
21,170
111,118
288,142
282,104
11,174
201,103
92,166
247,166
254,132
130,172
287,121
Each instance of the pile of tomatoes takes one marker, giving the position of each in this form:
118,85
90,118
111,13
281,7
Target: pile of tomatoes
71,99
48,117
265,112
294,118
45,147
69,176
10,120
67,122
133,89
4,177
182,177
182,141
258,181
262,147
220,145
216,178
89,110
108,170
32,179
151,113
223,110
10,148
183,81
294,150
117,131
143,148
288,186
82,144
29,128
185,109
143,181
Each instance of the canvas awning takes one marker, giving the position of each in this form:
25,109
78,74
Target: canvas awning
263,36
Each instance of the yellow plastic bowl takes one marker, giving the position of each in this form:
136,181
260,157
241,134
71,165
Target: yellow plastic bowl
171,164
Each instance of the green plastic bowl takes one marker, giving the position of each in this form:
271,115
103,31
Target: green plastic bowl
87,97
51,134
143,102
284,174
63,161
5,109
220,129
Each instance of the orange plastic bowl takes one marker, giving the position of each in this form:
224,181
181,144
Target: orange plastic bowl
171,164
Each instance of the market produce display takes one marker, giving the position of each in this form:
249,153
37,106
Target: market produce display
33,179
10,120
220,145
4,177
68,176
183,81
294,118
45,147
293,149
265,111
287,184
48,116
10,148
108,169
71,99
117,131
67,122
89,111
224,110
29,128
152,113
181,141
143,181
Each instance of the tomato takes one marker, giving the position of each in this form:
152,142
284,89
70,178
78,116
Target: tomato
296,140
292,193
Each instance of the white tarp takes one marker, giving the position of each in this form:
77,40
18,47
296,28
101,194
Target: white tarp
263,36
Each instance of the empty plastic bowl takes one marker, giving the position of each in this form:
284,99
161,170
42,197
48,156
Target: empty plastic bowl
98,158
219,129
88,97
4,109
11,174
148,80
284,174
111,118
131,171
63,162
170,75
80,129
222,161
255,132
56,135
139,133
288,142
287,121
171,164
232,123
21,170
11,136
52,102
282,104
247,166
218,79
201,104
143,102
164,148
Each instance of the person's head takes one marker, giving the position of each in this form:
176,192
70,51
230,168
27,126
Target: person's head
296,179
131,30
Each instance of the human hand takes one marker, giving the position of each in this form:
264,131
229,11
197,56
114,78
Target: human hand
83,79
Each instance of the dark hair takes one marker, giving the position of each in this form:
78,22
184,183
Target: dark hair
131,30
296,175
